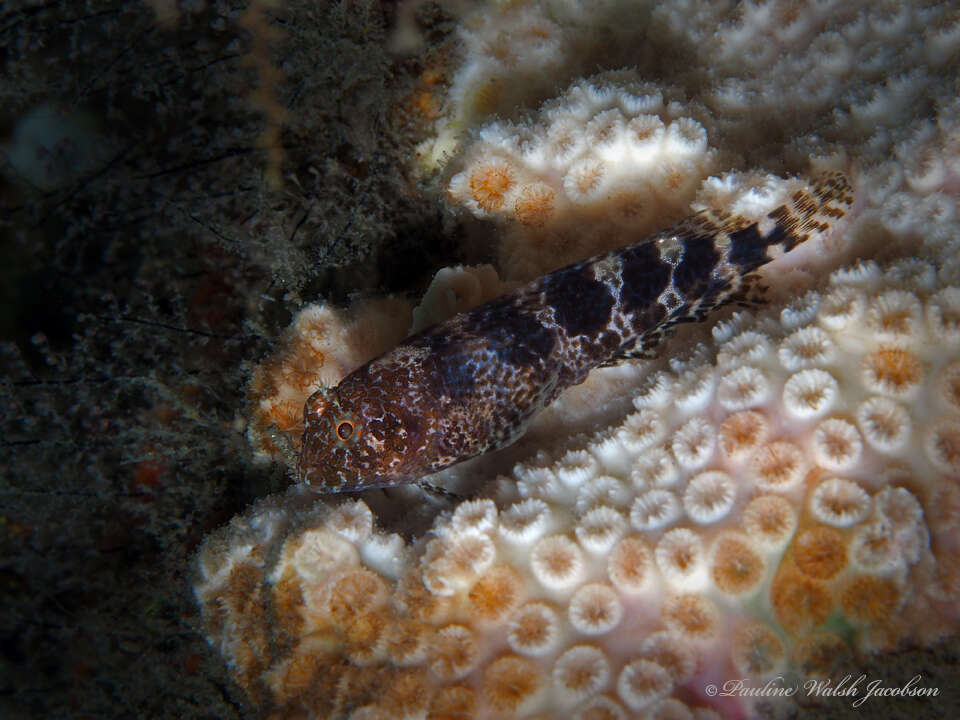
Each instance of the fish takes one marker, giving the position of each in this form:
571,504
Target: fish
473,383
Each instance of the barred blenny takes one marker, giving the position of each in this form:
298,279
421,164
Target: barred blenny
472,384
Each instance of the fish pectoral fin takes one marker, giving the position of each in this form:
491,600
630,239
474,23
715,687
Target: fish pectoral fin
544,394
646,347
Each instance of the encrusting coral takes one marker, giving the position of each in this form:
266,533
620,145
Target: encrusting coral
611,161
777,85
629,572
758,503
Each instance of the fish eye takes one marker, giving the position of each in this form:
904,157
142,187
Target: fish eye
344,429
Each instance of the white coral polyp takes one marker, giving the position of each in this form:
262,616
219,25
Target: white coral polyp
655,393
600,707
709,497
899,507
885,424
525,521
874,547
641,430
895,315
605,127
586,180
863,274
654,469
943,315
673,651
694,390
837,444
353,520
580,672
479,516
810,393
680,557
642,682
839,502
693,443
600,528
603,491
749,346
455,561
595,609
842,307
942,445
534,629
576,467
655,509
912,273
385,554
557,562
645,132
320,553
742,388
807,347
608,449
686,136
800,312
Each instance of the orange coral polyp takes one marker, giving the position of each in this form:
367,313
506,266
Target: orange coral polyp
893,370
737,568
535,204
778,465
691,615
800,603
820,552
455,652
756,650
870,599
406,694
355,594
741,432
454,702
509,681
489,185
361,636
495,595
819,653
769,519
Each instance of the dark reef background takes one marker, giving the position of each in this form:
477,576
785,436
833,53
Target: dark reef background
146,264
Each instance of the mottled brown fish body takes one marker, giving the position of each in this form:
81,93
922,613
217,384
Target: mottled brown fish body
473,383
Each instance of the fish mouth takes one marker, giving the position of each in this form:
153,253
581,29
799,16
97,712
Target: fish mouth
308,476
316,472
310,470
323,479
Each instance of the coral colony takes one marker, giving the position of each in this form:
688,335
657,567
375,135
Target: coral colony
777,491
